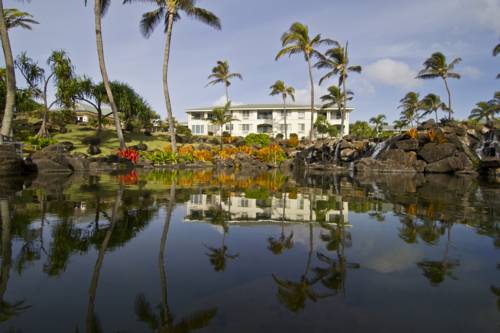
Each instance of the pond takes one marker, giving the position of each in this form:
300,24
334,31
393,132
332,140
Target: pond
210,251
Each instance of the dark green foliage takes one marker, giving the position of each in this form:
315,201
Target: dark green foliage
253,139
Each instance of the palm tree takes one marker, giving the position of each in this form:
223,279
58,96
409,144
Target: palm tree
167,11
483,110
410,105
399,125
6,23
432,103
220,117
336,60
278,245
496,51
15,18
280,88
222,74
437,67
297,41
378,122
100,8
336,98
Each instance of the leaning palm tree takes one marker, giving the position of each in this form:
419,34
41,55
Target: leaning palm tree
220,117
100,8
336,60
379,123
222,74
336,98
297,41
437,67
399,125
483,110
410,105
280,88
168,11
14,18
432,104
496,51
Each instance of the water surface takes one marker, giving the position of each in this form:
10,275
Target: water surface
204,251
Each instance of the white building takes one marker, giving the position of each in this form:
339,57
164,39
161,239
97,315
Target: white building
264,118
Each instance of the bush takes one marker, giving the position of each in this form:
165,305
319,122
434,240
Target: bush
254,139
272,154
130,154
184,131
91,140
293,141
279,136
160,157
203,155
40,143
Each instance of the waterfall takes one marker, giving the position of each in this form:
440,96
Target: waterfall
489,146
383,146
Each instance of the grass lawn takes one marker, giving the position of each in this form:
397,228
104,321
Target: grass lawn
109,141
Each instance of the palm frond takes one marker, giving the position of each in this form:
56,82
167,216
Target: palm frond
290,50
454,76
150,21
355,69
204,16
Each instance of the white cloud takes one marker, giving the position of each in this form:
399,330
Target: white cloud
303,96
363,87
471,72
487,12
392,73
221,101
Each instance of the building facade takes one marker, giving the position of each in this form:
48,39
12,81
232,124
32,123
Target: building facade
264,118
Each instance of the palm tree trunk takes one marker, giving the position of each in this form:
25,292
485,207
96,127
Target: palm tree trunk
344,109
436,113
6,247
449,98
312,97
43,131
10,99
166,57
221,137
230,111
104,73
284,113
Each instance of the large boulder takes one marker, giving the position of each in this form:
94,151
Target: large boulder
94,150
57,159
459,163
433,152
391,161
407,145
10,162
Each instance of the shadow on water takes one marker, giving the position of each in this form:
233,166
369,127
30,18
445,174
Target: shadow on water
303,240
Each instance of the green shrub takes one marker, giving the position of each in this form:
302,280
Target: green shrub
40,143
160,157
253,139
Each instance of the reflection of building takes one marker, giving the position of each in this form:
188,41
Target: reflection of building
242,209
264,118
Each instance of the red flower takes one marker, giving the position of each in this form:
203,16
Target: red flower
129,154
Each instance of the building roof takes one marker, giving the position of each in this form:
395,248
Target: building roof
264,107
86,108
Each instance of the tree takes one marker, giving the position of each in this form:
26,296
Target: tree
297,41
399,125
411,105
221,117
336,60
222,74
361,130
496,51
168,11
379,123
280,88
486,110
10,75
324,127
437,67
15,18
432,104
61,73
94,95
100,8
337,98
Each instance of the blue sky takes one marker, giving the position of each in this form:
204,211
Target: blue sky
389,38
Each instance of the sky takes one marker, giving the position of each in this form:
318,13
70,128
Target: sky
390,39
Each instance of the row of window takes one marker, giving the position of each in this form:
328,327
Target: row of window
200,129
263,115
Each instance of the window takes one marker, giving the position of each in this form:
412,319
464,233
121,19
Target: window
210,115
282,127
196,116
302,115
300,203
302,128
198,129
244,203
213,128
245,127
266,115
197,199
246,114
229,127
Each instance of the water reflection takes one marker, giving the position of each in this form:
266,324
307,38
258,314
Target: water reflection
308,242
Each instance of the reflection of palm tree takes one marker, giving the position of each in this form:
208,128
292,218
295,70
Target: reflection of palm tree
12,309
92,322
437,271
293,294
278,245
164,322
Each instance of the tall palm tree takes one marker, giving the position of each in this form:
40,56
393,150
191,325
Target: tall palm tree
297,41
336,98
222,74
168,11
10,72
437,67
496,51
399,124
220,117
432,104
100,8
279,244
379,123
411,105
14,18
280,88
483,110
336,60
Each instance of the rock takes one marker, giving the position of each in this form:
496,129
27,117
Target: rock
450,164
47,165
94,150
433,152
10,162
393,160
407,145
344,144
457,130
348,155
426,125
140,147
61,147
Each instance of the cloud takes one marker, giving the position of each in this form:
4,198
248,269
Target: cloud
303,96
487,12
471,72
221,101
392,73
